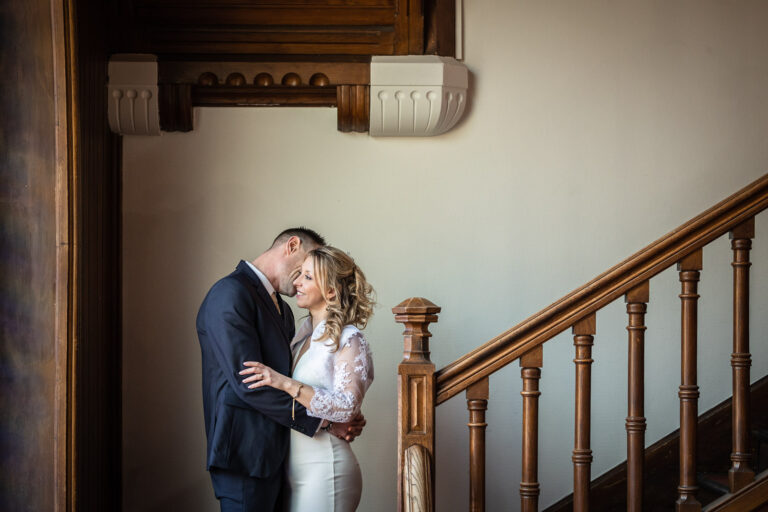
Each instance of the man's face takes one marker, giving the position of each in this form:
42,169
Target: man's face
292,257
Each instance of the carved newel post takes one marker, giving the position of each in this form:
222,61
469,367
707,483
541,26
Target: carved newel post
416,408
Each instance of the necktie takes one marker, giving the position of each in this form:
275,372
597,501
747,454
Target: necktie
274,299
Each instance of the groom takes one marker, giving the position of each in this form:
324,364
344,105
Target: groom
243,319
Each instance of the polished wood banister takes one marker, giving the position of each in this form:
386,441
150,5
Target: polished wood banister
583,339
741,473
637,306
689,269
602,290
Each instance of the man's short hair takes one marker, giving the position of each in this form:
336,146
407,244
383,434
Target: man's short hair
308,237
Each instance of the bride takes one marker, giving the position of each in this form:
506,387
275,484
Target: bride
332,371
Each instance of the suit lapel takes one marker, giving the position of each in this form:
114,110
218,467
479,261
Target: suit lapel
266,300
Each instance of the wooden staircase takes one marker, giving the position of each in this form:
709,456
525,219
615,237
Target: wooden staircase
421,388
714,433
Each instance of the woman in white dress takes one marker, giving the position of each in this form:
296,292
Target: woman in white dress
332,371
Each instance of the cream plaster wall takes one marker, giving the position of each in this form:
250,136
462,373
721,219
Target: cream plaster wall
594,128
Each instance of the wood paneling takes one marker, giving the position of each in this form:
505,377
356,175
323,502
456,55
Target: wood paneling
284,27
28,259
440,27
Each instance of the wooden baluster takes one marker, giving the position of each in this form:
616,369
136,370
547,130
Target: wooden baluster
477,403
531,363
636,300
583,337
741,473
689,268
416,408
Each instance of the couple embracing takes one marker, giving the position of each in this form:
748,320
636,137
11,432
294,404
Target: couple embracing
282,406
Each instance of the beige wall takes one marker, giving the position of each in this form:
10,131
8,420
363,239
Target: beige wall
594,128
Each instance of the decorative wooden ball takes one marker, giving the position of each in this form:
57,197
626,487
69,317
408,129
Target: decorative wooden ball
263,80
291,80
208,79
319,80
235,80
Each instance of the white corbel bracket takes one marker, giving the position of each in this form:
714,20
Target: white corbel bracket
416,95
132,94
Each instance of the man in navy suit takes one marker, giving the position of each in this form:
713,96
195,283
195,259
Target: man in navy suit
244,319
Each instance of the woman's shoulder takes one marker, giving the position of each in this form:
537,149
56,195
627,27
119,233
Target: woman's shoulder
351,335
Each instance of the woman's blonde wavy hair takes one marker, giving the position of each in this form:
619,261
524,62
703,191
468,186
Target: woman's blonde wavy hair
352,302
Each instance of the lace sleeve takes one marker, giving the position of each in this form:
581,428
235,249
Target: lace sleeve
352,375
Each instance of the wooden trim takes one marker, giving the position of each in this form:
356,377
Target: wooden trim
73,121
353,108
602,290
337,72
61,35
254,96
751,496
440,27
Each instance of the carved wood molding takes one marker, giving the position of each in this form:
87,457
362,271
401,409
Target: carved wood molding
285,27
275,84
353,103
250,51
602,290
417,478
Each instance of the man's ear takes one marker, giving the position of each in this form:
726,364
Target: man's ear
292,245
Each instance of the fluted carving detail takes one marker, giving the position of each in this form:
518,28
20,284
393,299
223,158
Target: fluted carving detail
417,493
353,104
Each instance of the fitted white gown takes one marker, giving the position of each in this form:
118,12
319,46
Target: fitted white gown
322,470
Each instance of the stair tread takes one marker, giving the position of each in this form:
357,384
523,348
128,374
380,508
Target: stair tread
717,482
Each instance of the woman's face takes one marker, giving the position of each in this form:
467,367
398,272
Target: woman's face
308,294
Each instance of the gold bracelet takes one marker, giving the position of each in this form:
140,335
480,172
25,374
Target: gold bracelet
298,391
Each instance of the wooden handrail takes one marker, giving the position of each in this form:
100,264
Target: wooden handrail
602,290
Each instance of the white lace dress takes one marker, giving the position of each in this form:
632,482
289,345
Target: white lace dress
322,470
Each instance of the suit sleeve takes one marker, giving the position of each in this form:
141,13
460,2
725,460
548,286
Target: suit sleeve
230,318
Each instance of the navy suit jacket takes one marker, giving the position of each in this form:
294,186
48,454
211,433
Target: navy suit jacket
247,429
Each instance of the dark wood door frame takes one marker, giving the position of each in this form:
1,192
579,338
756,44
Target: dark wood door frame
62,41
88,270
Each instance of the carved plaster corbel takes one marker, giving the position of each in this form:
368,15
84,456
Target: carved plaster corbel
416,95
132,95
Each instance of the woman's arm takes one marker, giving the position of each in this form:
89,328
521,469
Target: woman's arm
353,373
263,375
